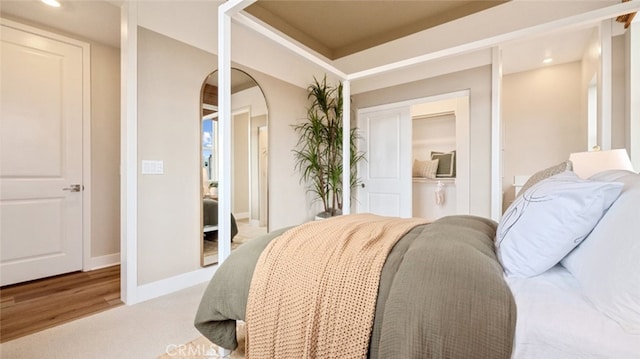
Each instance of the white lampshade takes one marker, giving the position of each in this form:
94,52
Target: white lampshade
586,164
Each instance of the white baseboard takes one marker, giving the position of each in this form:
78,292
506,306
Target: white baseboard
103,261
173,284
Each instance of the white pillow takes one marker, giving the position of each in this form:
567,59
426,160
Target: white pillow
426,169
418,167
549,220
607,263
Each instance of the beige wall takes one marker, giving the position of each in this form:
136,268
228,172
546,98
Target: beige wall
170,76
545,113
105,150
618,88
541,114
478,81
286,103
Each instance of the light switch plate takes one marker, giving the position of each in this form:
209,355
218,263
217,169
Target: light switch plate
152,167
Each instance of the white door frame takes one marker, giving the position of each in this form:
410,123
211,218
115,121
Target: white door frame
129,153
463,119
86,129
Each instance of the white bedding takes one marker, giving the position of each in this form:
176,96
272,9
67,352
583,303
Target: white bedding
556,321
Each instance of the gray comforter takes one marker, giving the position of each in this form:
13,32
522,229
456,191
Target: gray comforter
441,295
210,215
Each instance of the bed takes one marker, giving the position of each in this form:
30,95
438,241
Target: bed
556,320
422,272
587,304
210,217
584,305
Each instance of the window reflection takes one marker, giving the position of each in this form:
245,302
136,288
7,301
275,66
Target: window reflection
209,148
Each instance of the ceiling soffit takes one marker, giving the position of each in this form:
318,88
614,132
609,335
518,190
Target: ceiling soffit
339,28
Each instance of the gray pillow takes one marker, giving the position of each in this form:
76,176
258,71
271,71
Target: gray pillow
446,163
546,173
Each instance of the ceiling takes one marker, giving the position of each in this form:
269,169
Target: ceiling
342,27
334,28
94,20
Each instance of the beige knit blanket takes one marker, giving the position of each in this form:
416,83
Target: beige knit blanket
313,292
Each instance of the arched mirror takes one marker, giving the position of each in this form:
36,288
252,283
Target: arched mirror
249,197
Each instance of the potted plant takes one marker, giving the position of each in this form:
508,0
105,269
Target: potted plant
318,152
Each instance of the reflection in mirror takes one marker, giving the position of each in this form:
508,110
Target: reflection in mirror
249,199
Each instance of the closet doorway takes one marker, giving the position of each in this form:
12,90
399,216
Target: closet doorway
395,137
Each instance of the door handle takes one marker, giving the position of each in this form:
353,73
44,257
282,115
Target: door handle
362,184
73,188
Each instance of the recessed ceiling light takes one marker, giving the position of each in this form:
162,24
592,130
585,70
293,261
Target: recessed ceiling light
53,3
548,60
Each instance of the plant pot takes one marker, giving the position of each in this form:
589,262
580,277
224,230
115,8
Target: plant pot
324,215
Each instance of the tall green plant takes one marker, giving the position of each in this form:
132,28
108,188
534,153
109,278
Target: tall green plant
318,152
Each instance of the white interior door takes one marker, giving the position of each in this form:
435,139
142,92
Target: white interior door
386,174
41,111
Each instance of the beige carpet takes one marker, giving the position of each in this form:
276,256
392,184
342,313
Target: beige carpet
202,348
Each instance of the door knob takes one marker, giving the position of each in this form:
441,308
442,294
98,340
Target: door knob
73,188
362,184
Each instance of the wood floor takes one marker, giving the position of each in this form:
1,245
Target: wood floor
40,304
